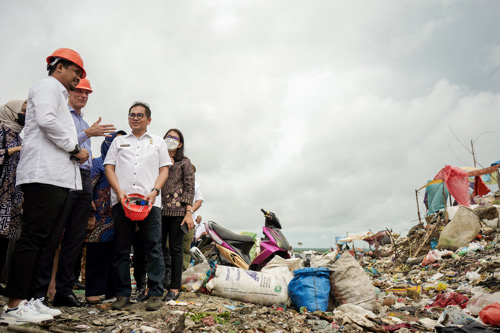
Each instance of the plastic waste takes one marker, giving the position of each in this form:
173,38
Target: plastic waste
481,300
310,287
434,243
454,315
473,247
491,314
441,286
473,276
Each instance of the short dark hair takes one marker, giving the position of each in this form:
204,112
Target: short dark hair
179,154
64,62
144,105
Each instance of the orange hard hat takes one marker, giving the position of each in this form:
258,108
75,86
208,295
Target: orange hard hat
85,85
136,207
70,55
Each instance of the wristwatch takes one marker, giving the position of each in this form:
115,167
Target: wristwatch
157,191
77,150
191,211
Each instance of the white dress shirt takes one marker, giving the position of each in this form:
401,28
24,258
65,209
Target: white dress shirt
49,137
197,192
137,163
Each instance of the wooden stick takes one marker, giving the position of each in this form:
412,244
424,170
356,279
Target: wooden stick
428,236
418,208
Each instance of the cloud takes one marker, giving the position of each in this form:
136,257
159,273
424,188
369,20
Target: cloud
328,114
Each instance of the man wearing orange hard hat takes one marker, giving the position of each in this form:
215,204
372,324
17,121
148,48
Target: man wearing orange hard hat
75,215
47,170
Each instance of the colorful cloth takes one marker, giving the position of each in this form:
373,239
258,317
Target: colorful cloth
443,300
101,195
457,183
11,195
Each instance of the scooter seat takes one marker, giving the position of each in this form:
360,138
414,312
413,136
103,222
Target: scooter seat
229,235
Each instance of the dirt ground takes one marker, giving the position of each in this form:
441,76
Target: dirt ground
192,312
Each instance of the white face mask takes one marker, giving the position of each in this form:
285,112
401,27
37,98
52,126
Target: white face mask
172,144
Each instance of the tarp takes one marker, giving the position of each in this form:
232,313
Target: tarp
435,198
457,182
480,187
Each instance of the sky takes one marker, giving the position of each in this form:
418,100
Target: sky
328,113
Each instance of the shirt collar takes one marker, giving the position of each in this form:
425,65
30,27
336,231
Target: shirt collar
61,87
131,135
74,111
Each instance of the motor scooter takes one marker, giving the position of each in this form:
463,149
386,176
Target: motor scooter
231,249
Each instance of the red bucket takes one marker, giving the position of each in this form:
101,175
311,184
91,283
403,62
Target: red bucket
136,207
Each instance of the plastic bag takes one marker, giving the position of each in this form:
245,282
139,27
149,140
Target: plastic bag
192,278
491,314
481,300
310,287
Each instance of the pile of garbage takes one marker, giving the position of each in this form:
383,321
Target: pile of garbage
444,277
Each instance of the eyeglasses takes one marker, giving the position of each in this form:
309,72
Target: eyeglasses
136,115
172,137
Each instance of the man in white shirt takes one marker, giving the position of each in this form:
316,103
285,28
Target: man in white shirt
46,174
76,212
137,163
200,231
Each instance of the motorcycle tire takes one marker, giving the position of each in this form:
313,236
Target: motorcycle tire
210,252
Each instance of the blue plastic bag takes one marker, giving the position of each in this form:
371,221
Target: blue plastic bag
310,287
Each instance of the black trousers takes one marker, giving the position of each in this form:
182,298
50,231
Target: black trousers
139,261
171,229
74,222
43,208
98,270
150,237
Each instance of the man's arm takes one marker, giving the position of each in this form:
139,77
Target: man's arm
197,205
160,180
113,181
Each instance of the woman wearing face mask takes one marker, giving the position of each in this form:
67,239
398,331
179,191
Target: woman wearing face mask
12,117
177,199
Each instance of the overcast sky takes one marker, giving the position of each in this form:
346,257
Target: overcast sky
328,113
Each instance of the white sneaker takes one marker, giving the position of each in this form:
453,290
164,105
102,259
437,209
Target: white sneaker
24,313
42,308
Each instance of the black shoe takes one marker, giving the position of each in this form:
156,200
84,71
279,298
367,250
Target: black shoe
69,300
171,295
142,295
79,286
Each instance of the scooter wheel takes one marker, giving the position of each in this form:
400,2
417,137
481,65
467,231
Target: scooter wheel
210,252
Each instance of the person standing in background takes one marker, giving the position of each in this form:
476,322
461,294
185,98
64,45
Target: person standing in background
177,202
99,276
12,116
